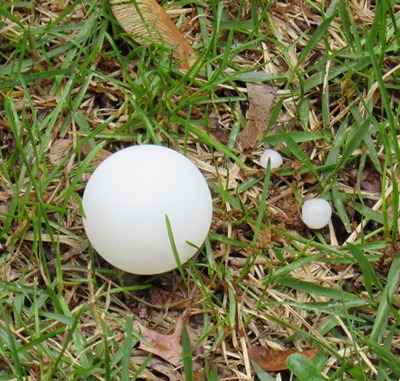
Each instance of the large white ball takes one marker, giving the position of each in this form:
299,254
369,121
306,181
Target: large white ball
126,202
316,213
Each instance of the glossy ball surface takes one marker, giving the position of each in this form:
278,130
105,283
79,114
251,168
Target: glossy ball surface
274,157
316,213
126,202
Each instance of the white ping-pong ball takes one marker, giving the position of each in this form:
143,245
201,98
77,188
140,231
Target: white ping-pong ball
274,157
316,213
126,202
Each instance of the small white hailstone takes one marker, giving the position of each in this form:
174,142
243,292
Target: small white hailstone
274,157
316,213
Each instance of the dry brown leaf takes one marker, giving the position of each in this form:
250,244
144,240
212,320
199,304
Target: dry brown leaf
274,360
168,296
101,155
198,374
160,297
371,179
59,150
147,20
4,124
156,366
101,90
262,100
168,347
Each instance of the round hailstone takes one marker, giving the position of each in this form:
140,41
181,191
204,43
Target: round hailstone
316,213
274,157
129,199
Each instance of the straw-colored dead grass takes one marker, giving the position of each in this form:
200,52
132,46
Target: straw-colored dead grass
246,309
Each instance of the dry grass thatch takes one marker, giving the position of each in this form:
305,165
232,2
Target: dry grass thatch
59,297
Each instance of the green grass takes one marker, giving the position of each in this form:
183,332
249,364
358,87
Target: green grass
261,277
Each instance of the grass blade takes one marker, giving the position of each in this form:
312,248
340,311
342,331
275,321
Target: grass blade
382,316
314,39
369,275
261,374
299,153
304,368
187,351
127,349
384,94
316,289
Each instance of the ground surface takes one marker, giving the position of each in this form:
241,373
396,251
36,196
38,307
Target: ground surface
74,88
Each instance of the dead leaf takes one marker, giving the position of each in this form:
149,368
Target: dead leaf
160,297
147,20
3,210
262,100
274,360
4,124
59,150
156,366
310,179
371,180
168,347
102,154
101,90
175,295
198,374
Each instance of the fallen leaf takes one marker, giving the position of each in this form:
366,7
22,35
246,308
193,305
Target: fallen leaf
371,180
168,347
145,19
160,297
156,366
197,375
102,154
221,135
388,255
274,360
166,295
5,125
4,206
310,179
101,90
262,100
59,150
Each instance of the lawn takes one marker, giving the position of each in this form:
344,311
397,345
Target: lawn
265,298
